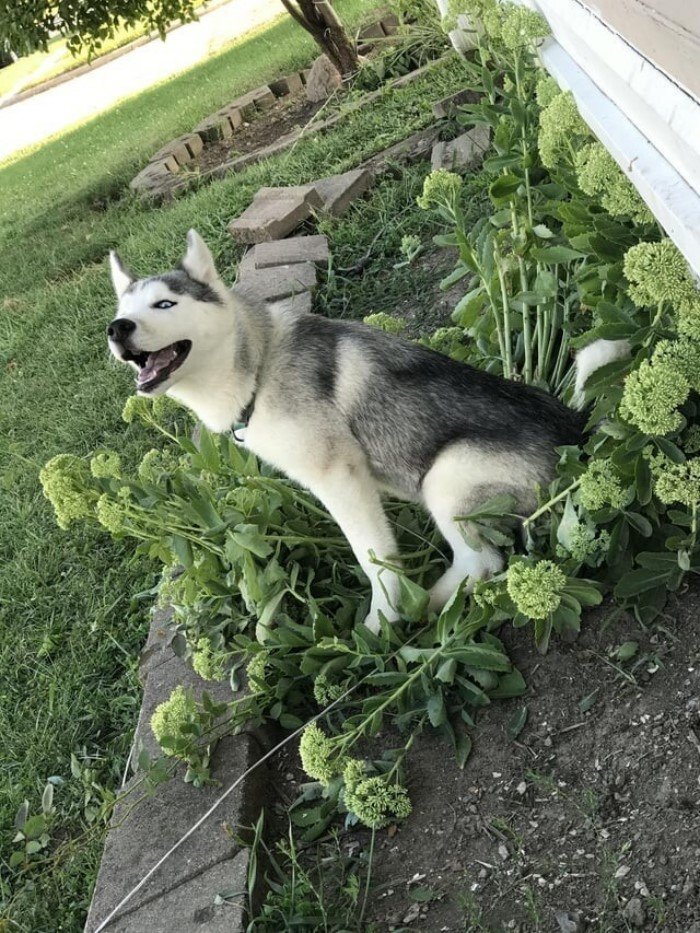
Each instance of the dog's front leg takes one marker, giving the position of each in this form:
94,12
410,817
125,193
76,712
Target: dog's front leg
350,494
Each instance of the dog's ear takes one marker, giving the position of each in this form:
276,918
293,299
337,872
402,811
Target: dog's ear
198,261
121,277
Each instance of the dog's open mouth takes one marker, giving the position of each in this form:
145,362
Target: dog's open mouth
156,367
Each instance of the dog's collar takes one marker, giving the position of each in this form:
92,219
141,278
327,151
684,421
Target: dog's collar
245,415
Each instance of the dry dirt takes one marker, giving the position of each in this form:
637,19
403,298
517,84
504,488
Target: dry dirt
286,114
588,820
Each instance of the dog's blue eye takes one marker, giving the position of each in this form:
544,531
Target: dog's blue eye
164,305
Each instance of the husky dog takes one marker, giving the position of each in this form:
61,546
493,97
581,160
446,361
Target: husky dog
345,410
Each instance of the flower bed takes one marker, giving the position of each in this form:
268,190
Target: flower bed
570,254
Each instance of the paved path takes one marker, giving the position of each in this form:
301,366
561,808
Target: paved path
41,116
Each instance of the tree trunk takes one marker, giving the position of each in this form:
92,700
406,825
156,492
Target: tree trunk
320,19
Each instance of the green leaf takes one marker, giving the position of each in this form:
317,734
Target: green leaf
182,550
639,523
642,479
668,448
638,581
436,709
509,685
480,656
556,254
446,671
413,599
627,650
505,186
463,747
423,895
35,826
21,816
588,701
249,538
47,799
516,723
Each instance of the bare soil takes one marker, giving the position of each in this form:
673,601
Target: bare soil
286,114
588,820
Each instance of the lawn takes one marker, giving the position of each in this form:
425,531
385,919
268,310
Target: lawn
74,607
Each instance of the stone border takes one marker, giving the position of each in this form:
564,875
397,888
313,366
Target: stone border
182,896
161,179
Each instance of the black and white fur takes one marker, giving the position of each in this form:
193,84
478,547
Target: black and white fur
345,410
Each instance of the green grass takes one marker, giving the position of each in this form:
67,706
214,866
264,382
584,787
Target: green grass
70,623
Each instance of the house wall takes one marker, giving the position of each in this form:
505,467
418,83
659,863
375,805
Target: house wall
667,32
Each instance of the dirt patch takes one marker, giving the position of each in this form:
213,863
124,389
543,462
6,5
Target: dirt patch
588,820
285,115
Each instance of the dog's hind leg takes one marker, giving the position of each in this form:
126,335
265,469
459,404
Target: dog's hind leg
461,478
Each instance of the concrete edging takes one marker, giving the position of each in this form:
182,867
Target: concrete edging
182,896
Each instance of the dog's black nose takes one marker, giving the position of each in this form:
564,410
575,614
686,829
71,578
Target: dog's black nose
120,329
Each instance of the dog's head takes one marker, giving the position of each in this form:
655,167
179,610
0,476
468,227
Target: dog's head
167,326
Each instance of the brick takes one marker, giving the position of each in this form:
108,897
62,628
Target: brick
194,143
261,98
214,128
448,105
290,84
369,32
293,250
295,304
274,213
232,114
465,152
390,24
278,282
338,191
155,175
304,75
176,150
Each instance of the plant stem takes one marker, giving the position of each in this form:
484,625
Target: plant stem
368,880
508,359
548,505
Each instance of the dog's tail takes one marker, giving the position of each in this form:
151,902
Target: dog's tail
591,358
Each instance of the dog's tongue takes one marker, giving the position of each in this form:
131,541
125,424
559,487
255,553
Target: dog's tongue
156,362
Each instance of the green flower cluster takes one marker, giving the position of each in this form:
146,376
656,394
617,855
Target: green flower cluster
441,189
560,125
318,755
691,439
658,272
600,176
156,464
255,671
488,13
385,322
410,246
326,692
485,593
682,355
111,515
689,317
169,718
522,28
676,482
447,340
546,90
374,801
584,544
601,487
106,465
137,408
535,588
67,485
208,662
652,395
